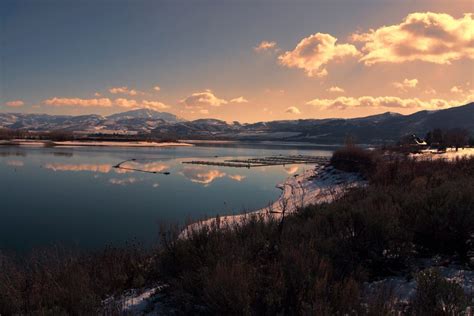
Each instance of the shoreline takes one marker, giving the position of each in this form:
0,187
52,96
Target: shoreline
320,184
67,144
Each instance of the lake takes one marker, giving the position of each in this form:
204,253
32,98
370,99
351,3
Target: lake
74,196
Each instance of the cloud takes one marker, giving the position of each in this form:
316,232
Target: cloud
154,105
264,46
204,111
336,89
314,52
406,84
124,90
456,89
431,37
15,103
56,101
157,88
239,100
202,99
106,102
97,94
342,103
293,110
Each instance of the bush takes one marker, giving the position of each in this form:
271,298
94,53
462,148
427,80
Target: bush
437,296
353,159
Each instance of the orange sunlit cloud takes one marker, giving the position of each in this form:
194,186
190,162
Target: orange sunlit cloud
342,103
123,90
406,84
265,46
431,37
15,103
314,52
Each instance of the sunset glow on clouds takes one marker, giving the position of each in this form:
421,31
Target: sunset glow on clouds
350,59
123,90
264,46
106,102
406,84
15,104
314,52
202,99
342,103
430,37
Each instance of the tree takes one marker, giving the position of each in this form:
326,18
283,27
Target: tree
457,138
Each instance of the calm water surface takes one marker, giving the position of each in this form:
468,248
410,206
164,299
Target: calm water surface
74,197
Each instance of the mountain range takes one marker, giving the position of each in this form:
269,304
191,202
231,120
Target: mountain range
386,127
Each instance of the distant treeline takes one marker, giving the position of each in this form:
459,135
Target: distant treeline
455,138
61,135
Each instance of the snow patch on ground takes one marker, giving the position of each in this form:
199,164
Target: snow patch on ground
450,154
318,185
404,289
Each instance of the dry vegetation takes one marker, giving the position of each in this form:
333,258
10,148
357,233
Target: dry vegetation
315,264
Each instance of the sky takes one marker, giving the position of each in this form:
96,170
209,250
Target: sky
235,60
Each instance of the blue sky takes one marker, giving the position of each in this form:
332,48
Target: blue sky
75,49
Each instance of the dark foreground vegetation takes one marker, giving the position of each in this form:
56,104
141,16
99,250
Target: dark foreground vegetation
316,262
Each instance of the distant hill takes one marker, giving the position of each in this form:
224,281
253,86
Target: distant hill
385,127
146,114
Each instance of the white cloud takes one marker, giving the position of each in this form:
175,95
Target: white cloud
56,101
106,102
406,84
426,36
314,52
264,46
456,89
336,89
15,103
239,100
292,110
202,99
342,103
157,88
123,90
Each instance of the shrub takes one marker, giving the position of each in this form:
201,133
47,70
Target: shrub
437,296
353,159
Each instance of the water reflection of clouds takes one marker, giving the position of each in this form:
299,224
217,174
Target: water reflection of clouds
291,169
202,175
125,181
205,176
237,177
147,167
15,163
106,168
102,168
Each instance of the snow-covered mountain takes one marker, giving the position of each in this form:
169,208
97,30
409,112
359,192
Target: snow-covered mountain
371,129
145,114
141,121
